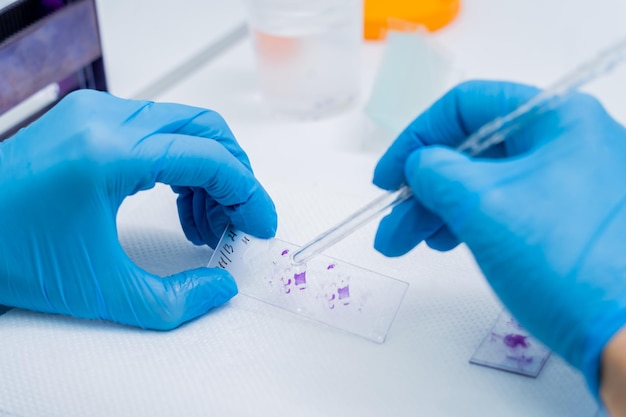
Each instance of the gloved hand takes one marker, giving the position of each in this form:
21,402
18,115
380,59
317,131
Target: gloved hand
62,180
543,213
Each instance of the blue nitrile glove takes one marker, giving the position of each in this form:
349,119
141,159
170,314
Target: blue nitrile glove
62,180
544,213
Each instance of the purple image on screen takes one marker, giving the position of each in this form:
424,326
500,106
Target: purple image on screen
60,45
51,5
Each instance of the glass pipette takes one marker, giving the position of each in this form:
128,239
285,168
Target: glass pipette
489,135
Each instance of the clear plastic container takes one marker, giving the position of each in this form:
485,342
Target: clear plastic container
308,53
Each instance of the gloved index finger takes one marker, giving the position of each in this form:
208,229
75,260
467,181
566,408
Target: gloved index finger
186,120
190,161
449,121
210,124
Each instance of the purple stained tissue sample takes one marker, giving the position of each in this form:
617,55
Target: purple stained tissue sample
343,292
510,348
515,340
300,279
331,266
285,252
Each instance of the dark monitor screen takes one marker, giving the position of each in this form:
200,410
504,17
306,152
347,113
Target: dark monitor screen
48,48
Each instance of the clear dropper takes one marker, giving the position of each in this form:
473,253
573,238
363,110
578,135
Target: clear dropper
489,135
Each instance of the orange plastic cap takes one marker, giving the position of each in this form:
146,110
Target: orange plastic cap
382,15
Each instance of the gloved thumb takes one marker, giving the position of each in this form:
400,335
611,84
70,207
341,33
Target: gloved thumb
166,303
446,182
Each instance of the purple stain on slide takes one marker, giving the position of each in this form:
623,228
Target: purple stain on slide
515,340
300,279
286,285
331,266
343,292
285,252
508,348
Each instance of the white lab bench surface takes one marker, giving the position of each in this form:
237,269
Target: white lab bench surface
250,359
143,40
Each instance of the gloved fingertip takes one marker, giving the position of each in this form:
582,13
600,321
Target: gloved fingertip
267,233
193,293
443,240
212,287
405,227
257,216
386,180
382,246
385,241
262,227
442,246
271,227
